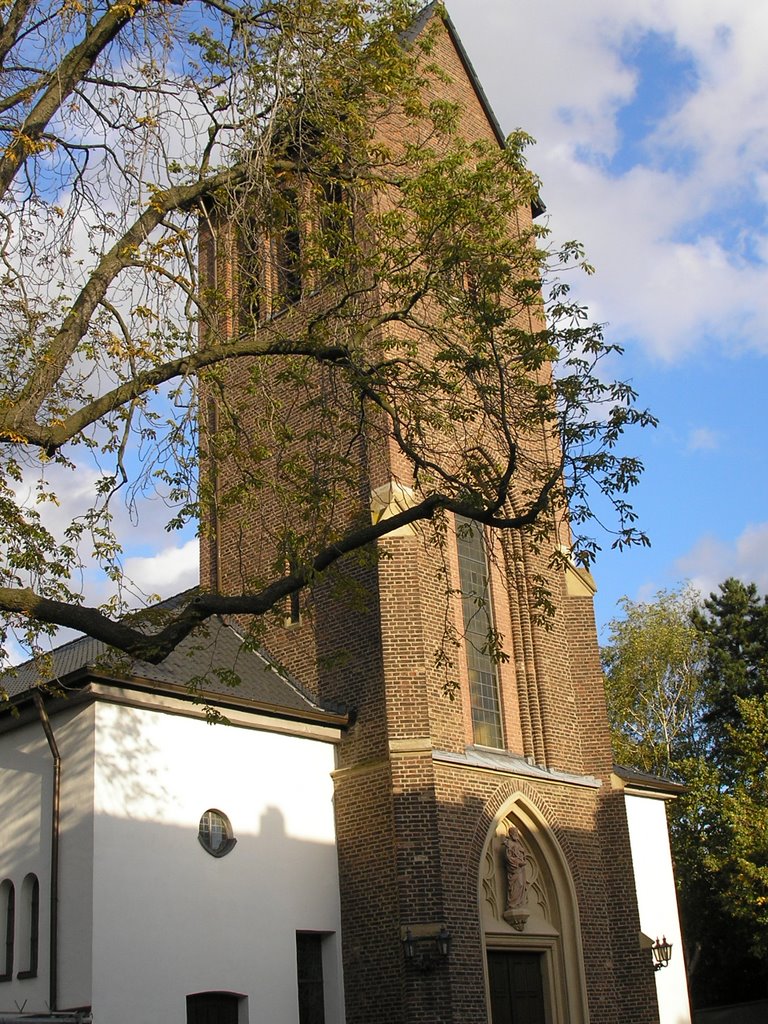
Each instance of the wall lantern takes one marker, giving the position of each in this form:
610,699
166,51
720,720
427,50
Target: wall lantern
427,948
662,953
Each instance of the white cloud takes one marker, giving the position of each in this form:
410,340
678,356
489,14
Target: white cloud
171,569
672,296
712,560
169,572
137,524
702,439
669,274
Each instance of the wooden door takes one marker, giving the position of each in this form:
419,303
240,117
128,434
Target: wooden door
517,987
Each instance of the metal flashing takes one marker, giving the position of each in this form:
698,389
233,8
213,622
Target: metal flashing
513,764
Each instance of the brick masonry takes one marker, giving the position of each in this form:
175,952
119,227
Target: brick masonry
413,819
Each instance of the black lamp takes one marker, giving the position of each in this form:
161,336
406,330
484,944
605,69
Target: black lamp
425,951
662,953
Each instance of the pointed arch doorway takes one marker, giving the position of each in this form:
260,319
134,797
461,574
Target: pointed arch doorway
530,922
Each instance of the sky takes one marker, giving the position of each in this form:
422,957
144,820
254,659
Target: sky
651,128
651,121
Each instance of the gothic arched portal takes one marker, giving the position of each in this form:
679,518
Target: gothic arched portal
530,921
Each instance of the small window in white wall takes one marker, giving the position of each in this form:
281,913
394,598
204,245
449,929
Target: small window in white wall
216,1008
215,833
8,925
309,976
30,920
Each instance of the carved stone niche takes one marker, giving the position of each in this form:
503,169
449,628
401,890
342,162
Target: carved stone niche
513,889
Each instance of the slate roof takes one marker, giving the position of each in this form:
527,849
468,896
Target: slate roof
646,780
202,666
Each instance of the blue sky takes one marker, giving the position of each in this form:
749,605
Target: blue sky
651,122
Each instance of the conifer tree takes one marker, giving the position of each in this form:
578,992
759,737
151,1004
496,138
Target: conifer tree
734,624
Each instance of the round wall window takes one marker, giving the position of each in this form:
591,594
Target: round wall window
215,833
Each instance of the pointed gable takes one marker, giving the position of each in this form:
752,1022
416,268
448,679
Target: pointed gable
478,121
460,63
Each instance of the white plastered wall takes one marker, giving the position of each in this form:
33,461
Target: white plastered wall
26,783
657,901
169,919
25,792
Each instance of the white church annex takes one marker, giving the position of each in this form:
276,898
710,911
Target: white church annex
194,860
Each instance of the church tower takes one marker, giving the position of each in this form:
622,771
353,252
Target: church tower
484,857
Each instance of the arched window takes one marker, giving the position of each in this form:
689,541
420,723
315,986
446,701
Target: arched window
7,919
479,627
29,922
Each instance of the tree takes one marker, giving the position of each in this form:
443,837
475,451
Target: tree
653,665
132,130
744,860
735,624
686,696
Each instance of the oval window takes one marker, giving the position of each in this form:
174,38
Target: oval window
215,833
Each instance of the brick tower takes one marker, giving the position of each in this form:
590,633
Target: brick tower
489,816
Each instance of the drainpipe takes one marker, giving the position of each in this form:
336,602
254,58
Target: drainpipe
54,879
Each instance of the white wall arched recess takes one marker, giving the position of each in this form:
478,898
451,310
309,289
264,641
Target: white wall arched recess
528,910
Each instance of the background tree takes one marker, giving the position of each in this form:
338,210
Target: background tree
127,126
687,699
653,666
744,861
734,622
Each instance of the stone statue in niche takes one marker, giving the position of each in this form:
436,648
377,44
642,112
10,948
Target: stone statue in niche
514,863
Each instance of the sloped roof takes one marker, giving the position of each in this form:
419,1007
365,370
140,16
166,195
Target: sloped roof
211,665
636,779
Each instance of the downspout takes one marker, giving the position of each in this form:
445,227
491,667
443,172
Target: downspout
54,879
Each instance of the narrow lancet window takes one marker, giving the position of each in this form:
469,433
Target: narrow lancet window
30,925
287,250
8,923
479,631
